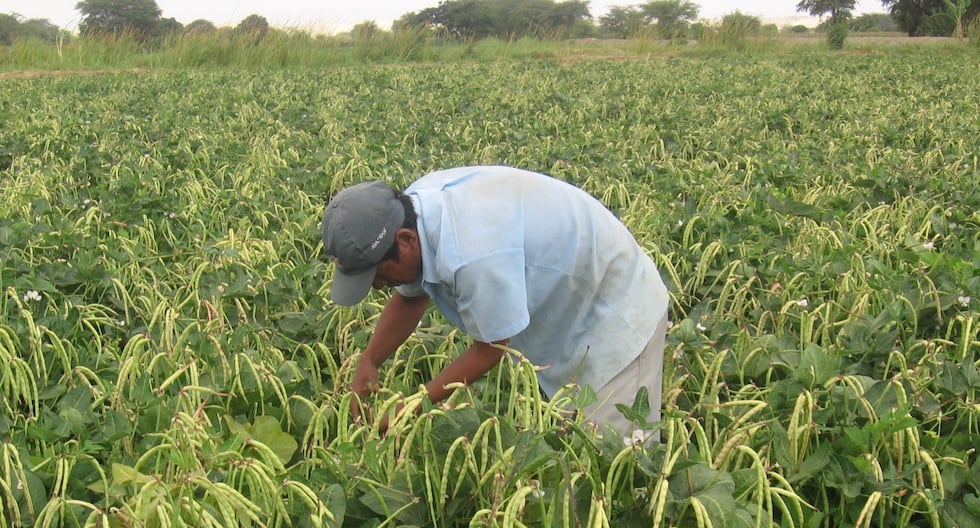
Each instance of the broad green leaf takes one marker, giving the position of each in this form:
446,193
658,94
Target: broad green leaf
712,488
812,464
123,474
816,366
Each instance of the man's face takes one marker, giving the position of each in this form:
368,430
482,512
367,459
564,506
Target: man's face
407,268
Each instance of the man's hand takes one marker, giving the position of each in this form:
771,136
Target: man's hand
400,317
365,382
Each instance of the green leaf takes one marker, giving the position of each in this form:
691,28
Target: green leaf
639,412
712,488
386,500
816,366
336,502
30,494
813,464
123,474
267,430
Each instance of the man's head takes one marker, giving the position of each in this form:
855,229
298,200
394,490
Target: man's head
366,229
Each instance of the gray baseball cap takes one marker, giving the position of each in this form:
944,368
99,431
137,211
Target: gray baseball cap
359,226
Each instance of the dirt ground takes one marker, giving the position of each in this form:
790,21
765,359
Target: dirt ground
31,74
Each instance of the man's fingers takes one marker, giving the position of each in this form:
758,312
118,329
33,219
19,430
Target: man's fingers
356,406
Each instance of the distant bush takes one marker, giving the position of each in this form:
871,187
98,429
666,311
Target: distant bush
873,22
973,32
937,25
836,34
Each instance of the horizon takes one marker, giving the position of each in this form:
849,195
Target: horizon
332,19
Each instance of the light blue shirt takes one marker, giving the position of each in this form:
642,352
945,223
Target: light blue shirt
512,254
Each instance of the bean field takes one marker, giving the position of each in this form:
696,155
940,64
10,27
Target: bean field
169,355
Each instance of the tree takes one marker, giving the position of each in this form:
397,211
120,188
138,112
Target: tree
740,23
498,18
672,16
252,28
957,10
138,18
872,22
200,27
9,27
12,28
169,26
913,15
364,31
622,22
839,10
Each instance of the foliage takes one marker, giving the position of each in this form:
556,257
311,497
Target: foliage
973,32
169,356
912,15
505,19
622,22
666,19
252,29
937,25
735,31
836,35
365,31
13,27
839,10
672,16
138,18
872,22
957,10
199,27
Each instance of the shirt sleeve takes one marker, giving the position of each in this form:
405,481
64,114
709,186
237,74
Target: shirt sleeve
491,295
411,290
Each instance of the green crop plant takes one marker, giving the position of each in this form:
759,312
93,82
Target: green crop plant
169,356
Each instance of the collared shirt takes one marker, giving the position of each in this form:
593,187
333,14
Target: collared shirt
512,254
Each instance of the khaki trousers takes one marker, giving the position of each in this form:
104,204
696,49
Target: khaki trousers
645,371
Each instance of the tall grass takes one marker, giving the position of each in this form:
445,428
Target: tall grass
300,49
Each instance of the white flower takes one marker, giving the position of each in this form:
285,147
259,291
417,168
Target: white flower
680,223
32,295
701,327
120,322
803,303
637,438
928,246
963,300
538,492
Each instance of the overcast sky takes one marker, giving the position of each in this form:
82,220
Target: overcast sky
340,15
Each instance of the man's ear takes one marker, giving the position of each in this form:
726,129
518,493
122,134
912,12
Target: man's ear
406,236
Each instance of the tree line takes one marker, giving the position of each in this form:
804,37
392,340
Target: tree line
507,19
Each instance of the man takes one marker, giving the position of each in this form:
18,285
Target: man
512,258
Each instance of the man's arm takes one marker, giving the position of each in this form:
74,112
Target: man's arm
470,366
399,318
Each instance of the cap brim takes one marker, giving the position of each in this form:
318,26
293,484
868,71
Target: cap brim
351,288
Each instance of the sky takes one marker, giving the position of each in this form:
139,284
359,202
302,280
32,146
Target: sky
332,16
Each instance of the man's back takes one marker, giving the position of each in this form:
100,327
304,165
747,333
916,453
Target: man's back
513,254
